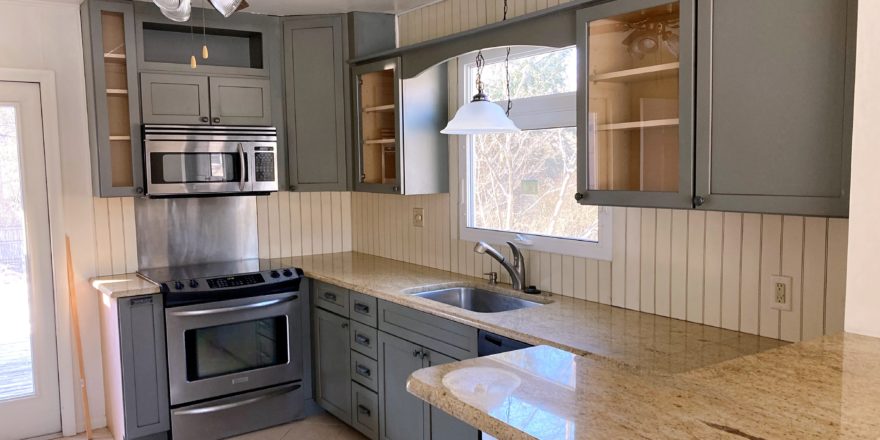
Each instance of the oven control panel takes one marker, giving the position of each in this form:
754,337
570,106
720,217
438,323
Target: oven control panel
235,281
266,278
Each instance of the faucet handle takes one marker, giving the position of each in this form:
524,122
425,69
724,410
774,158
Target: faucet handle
493,277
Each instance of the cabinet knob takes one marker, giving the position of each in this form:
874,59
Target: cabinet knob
216,120
139,190
204,119
363,178
699,200
417,353
395,188
292,187
578,196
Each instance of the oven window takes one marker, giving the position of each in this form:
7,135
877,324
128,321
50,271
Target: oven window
195,167
233,348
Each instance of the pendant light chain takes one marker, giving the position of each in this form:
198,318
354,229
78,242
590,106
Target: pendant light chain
507,68
204,33
480,62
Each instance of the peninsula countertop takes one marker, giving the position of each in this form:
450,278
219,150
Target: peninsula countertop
828,388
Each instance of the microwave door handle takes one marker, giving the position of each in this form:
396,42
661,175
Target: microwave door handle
243,165
258,305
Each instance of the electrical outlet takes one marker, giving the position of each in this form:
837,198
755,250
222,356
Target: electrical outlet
781,292
418,217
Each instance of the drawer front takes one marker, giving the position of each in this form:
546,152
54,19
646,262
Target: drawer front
363,340
331,298
433,332
363,308
365,411
365,371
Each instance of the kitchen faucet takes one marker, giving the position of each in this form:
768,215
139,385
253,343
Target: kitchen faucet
517,270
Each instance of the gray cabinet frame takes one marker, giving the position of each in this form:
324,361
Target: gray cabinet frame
332,365
308,137
96,104
203,104
684,197
837,206
264,117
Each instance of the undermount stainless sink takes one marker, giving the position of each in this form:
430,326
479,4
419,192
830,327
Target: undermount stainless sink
477,300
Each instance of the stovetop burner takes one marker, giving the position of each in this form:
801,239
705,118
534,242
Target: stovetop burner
201,283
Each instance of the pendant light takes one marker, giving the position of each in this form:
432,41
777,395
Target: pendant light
481,116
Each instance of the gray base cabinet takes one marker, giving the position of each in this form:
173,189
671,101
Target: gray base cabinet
135,367
333,381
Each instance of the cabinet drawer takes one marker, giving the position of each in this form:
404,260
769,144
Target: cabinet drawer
364,371
331,298
365,411
433,332
363,340
363,308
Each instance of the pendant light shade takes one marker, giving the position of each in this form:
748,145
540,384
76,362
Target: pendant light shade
480,116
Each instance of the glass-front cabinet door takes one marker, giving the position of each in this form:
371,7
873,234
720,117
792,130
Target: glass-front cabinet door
378,127
635,109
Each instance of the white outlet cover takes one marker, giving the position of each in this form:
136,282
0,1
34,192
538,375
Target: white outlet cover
418,217
785,281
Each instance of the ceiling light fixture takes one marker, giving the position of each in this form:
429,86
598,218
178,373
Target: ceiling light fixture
481,116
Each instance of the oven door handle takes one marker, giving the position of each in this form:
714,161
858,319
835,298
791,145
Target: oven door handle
243,164
231,405
257,305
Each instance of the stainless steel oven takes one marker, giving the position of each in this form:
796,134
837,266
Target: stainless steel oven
234,342
182,160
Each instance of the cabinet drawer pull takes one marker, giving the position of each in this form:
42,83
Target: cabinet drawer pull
362,308
361,339
364,410
417,353
362,370
344,325
330,296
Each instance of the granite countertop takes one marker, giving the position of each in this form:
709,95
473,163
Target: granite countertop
823,389
120,286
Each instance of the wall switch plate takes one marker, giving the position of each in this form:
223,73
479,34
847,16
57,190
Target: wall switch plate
418,217
781,292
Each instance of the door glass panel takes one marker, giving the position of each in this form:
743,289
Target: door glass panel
633,100
233,348
378,128
16,360
194,167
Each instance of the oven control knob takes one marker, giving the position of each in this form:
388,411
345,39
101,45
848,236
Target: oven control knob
178,285
275,274
193,284
287,273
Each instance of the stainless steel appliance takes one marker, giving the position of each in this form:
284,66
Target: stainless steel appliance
183,160
234,341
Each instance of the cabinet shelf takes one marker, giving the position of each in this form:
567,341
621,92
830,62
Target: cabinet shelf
117,92
379,108
379,141
667,70
639,124
114,57
120,138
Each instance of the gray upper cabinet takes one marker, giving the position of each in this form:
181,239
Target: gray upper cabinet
112,98
317,91
175,99
332,364
635,103
775,105
240,101
196,99
400,149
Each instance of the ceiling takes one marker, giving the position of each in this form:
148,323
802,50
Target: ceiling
304,7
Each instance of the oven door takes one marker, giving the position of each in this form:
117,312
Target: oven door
227,347
198,167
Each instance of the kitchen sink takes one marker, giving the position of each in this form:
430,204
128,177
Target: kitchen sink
477,300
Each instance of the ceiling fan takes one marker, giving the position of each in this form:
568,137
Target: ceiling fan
180,10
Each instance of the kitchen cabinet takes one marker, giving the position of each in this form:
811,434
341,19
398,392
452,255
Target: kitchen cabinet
112,97
774,119
402,414
332,357
732,106
399,147
202,100
135,367
317,87
635,142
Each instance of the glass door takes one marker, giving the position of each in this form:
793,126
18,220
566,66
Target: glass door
635,133
378,128
29,400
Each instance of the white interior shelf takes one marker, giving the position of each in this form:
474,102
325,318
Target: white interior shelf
658,71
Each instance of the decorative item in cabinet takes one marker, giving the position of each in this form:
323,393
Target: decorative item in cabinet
399,147
635,125
113,104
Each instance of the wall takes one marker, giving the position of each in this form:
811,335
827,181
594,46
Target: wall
46,35
705,267
863,295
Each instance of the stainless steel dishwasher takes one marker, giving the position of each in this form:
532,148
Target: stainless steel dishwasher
490,343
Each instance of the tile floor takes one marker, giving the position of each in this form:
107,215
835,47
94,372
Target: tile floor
320,426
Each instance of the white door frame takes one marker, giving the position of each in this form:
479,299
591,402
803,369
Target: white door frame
49,107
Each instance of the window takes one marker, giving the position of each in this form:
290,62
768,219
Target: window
520,187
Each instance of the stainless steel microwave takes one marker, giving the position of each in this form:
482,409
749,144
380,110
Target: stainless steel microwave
195,160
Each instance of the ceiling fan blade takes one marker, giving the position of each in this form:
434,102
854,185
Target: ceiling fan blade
180,14
226,7
243,5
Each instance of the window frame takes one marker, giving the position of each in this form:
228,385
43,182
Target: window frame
526,117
